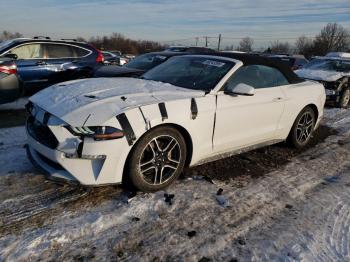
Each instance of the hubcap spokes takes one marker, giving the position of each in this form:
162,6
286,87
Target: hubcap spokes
160,160
304,127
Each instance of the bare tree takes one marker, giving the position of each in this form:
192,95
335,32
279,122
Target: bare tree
119,42
246,44
6,35
333,37
278,47
303,45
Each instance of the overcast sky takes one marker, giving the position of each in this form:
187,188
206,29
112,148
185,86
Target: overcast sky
165,20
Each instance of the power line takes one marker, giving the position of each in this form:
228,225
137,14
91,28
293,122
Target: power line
196,38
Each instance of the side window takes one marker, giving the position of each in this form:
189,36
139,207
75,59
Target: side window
58,51
80,52
30,51
272,77
257,76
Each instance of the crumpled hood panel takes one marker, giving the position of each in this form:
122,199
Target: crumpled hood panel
320,75
99,99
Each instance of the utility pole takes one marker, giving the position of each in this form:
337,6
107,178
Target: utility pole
219,42
206,41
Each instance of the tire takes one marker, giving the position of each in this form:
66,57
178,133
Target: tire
302,128
157,159
344,100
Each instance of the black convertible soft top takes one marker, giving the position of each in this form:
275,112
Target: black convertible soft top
248,59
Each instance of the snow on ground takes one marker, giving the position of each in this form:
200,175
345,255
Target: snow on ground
298,211
12,157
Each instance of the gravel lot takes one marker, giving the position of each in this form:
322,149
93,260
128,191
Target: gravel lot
278,204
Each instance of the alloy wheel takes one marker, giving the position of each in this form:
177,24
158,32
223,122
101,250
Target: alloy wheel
304,127
160,159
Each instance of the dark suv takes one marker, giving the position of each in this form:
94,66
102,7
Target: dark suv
42,62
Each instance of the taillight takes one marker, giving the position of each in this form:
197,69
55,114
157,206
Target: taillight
100,58
8,69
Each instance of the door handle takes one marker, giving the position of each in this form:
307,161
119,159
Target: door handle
41,63
277,99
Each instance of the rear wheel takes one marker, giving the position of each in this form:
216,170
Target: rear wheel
157,159
303,127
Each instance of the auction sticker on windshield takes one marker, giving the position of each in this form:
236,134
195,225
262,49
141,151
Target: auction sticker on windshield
213,63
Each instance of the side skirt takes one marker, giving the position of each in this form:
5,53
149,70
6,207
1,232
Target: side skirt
237,152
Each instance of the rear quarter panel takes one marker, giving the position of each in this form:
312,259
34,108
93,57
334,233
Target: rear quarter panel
298,96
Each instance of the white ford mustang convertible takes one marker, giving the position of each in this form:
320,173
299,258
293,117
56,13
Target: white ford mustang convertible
187,111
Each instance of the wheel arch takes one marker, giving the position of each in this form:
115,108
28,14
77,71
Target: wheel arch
314,108
183,131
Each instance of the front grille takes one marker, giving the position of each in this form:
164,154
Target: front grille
41,133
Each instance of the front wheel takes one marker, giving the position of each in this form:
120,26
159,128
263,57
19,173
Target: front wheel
302,129
157,159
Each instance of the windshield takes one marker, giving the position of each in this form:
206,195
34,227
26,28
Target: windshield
192,72
146,62
329,65
5,44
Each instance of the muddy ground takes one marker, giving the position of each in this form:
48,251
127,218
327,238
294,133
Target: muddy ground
280,204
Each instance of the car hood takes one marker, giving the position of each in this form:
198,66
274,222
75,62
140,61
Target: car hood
320,75
94,101
115,71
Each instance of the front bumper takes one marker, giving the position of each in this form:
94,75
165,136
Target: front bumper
49,168
75,160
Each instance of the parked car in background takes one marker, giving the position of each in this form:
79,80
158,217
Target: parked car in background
338,55
137,66
295,62
123,60
42,62
334,73
115,58
110,58
129,56
187,111
190,49
115,52
10,84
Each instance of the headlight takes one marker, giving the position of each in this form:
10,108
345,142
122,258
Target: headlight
97,132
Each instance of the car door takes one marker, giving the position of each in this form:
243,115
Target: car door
247,120
31,66
61,60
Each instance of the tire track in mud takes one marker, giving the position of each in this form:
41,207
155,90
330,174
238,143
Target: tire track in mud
315,229
41,202
16,213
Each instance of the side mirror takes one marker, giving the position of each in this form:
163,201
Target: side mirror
12,56
242,89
